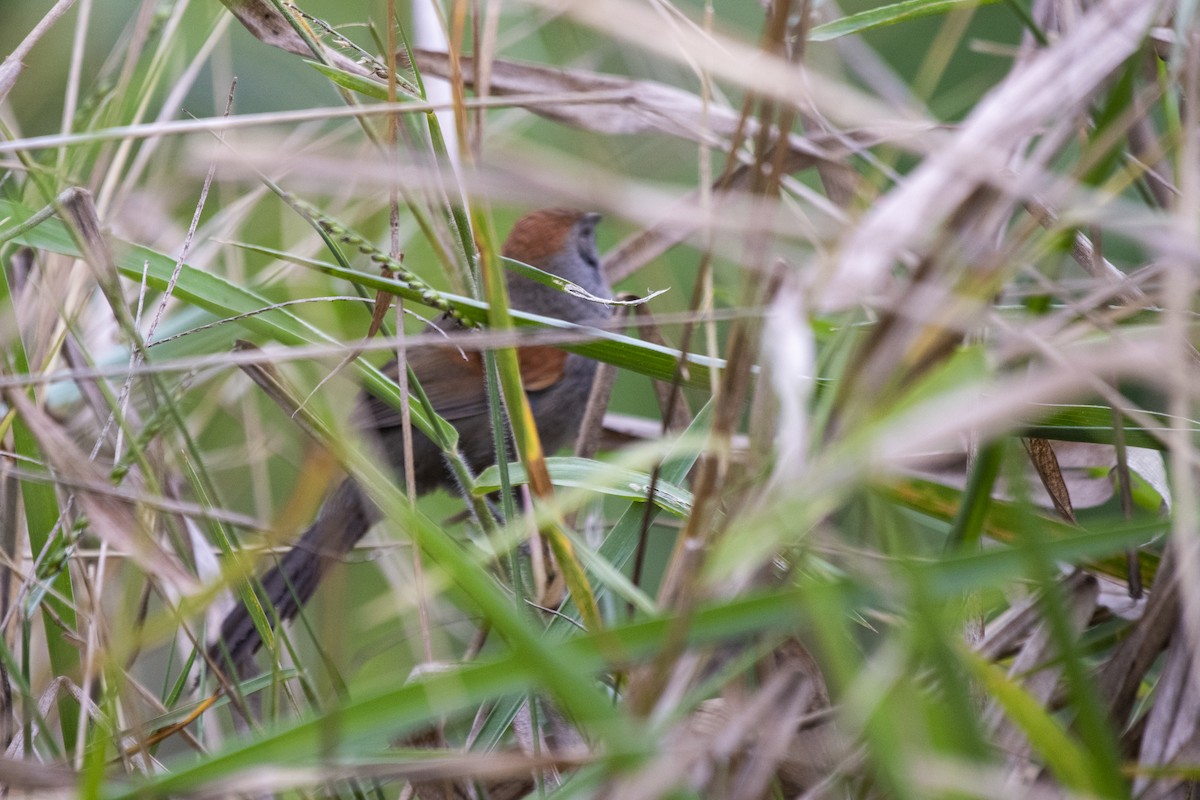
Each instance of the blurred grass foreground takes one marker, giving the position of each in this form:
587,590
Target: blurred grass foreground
888,489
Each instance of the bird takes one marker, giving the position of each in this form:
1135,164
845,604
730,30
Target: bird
560,241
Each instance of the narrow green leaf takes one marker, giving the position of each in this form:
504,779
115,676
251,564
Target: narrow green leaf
1065,758
389,709
622,351
1100,545
356,83
605,478
892,14
1090,423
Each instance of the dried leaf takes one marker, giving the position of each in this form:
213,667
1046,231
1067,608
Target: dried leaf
1084,468
623,105
1058,78
1039,661
266,24
1173,723
1041,455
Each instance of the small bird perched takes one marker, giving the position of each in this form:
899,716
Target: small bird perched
559,241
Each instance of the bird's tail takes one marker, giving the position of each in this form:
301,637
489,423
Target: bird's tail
341,522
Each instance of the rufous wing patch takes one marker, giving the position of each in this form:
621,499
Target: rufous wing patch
541,366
